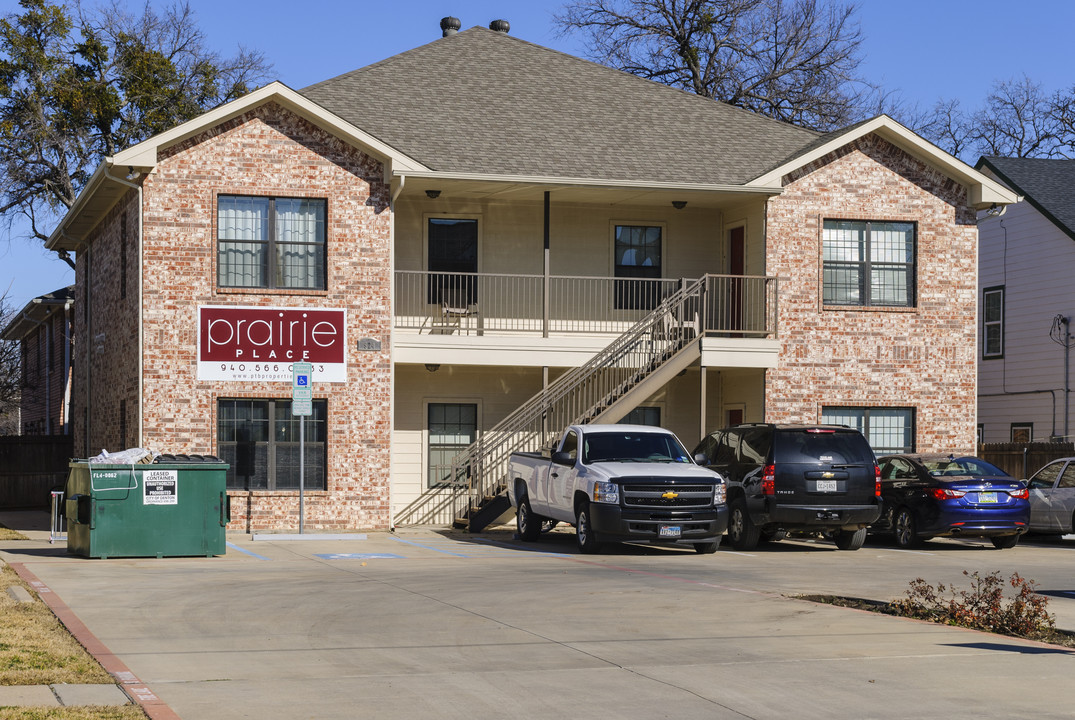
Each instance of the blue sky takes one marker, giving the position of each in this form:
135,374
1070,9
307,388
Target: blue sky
926,49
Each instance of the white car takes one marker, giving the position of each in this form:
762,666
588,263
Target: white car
1052,498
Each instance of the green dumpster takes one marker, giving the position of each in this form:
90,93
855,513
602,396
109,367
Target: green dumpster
146,510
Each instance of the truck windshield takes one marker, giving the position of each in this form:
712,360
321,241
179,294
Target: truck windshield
632,447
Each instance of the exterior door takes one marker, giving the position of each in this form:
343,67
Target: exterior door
736,268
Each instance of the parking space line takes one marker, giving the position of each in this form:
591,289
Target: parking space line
426,546
901,550
245,551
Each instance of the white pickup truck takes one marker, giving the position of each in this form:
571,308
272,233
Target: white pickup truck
619,483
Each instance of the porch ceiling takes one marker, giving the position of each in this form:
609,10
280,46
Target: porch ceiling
574,190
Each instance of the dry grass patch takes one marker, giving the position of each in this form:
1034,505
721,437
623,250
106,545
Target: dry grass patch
88,712
9,534
35,649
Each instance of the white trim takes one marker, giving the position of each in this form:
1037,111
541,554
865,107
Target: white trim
982,190
573,182
144,154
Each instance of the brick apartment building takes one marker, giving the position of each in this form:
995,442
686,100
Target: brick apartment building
42,330
448,232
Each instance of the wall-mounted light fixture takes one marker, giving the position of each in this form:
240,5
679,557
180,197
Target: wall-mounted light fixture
432,194
679,204
432,367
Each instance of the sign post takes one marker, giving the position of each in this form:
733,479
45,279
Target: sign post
302,394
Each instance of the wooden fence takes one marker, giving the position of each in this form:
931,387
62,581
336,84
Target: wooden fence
30,467
1021,460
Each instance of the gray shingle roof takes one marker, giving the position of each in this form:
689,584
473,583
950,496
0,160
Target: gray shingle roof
488,103
1048,185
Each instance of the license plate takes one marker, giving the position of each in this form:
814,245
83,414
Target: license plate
669,531
987,497
826,486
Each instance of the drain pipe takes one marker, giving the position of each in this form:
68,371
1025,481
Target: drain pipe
141,281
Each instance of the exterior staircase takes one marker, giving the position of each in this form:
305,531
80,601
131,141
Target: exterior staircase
604,390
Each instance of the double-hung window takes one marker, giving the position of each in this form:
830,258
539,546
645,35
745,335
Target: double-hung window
888,430
993,323
259,439
271,243
868,263
637,253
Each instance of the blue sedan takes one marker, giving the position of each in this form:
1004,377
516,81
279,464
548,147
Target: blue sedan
927,496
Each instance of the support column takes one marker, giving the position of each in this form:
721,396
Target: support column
702,402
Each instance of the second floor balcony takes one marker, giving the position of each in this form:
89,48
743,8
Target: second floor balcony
442,316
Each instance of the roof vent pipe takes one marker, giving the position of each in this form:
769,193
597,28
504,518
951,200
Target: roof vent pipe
500,26
449,26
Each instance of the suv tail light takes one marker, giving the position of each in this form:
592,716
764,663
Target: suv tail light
768,480
1021,494
876,480
945,493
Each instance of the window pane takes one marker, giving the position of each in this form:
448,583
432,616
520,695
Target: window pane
843,241
993,345
243,218
852,417
888,286
300,266
300,221
992,307
843,285
242,264
891,242
638,247
890,430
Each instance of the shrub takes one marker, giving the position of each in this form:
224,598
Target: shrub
982,607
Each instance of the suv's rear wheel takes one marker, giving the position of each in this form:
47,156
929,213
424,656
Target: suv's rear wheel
741,530
850,539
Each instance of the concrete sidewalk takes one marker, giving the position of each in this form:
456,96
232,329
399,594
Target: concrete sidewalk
423,624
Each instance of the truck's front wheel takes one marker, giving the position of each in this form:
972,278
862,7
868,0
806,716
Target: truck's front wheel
529,525
584,533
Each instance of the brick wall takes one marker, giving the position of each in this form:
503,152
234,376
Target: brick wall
105,357
272,152
923,357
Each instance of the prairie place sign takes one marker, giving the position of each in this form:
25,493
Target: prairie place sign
259,344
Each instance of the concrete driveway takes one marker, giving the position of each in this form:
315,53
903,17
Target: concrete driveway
421,624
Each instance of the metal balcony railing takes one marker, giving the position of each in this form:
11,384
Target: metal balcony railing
493,304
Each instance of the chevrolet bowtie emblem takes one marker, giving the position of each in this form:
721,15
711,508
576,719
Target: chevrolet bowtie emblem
828,475
670,495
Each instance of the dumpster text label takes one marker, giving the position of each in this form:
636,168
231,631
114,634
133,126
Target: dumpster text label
161,487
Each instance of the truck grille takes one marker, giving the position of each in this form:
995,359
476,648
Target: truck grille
654,496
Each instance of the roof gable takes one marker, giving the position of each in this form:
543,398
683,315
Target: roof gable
982,190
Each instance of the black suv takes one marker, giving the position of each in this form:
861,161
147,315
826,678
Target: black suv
795,478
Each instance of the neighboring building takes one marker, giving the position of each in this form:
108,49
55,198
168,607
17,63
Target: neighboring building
43,331
1027,303
453,229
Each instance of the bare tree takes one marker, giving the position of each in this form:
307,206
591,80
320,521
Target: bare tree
10,375
1016,121
76,86
793,60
